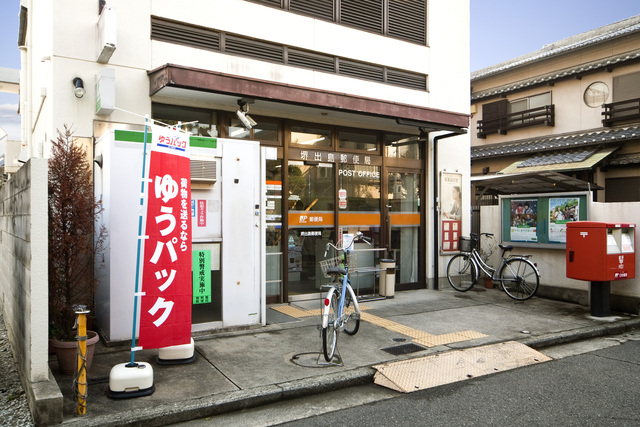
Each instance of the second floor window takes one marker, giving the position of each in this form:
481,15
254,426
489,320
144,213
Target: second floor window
504,115
530,103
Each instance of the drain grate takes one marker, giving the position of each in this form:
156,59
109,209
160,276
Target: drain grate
403,349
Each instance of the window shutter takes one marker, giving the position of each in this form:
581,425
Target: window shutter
491,115
360,70
322,9
364,14
253,48
272,3
310,60
174,32
407,79
495,110
408,20
626,87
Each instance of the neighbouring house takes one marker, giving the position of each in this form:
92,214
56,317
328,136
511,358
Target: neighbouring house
559,129
571,108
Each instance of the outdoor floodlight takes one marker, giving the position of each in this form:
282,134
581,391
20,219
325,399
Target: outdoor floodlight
78,87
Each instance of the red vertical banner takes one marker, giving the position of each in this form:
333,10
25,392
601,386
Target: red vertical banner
165,308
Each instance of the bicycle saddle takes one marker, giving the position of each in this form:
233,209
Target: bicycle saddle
506,248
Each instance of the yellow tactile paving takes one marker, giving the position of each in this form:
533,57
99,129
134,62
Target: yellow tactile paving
435,340
420,337
292,311
457,365
296,312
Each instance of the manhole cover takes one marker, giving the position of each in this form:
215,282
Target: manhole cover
403,349
315,360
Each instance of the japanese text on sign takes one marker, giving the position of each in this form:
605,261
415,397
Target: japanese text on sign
165,308
201,277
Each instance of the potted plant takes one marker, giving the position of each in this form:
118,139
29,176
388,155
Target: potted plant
73,243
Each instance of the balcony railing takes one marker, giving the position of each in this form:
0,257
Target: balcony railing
536,116
621,112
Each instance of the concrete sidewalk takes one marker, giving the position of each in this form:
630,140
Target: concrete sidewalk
284,359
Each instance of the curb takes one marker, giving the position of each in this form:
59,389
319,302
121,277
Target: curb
582,333
209,406
169,413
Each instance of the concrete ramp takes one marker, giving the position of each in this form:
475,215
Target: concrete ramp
430,371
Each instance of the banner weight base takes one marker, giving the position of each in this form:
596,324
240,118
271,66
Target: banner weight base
177,354
130,380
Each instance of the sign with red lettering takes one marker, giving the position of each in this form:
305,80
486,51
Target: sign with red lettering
202,213
165,308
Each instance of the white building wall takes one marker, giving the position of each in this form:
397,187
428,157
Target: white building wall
448,38
449,90
62,45
62,39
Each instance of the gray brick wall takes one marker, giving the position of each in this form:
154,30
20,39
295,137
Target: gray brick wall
23,285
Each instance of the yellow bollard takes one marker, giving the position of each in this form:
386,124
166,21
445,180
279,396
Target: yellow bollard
81,373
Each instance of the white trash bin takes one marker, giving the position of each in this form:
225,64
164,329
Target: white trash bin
388,277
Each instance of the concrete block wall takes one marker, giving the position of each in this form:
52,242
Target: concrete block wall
23,285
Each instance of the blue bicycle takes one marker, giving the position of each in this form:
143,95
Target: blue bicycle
341,310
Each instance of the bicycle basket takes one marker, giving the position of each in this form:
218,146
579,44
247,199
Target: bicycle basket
465,244
329,263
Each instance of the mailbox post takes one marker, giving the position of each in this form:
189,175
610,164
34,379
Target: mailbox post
600,252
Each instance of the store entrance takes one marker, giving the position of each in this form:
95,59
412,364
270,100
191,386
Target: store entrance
403,226
327,200
311,217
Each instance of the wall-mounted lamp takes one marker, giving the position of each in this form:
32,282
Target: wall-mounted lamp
243,115
78,87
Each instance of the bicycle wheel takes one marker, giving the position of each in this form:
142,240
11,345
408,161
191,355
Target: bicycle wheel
330,333
519,279
352,324
462,272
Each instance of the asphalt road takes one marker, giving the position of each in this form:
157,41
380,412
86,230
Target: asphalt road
588,383
599,388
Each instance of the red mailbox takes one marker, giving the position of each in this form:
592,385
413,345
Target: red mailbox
600,251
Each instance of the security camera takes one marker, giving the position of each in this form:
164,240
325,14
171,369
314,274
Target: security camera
246,120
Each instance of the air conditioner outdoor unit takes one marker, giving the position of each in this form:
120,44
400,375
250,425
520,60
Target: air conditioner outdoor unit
204,171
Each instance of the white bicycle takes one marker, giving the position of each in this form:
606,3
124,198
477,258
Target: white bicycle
341,310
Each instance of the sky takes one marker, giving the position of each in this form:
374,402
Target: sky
500,30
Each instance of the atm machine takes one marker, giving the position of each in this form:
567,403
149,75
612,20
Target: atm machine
227,226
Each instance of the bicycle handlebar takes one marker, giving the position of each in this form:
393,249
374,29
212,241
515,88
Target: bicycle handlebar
476,236
357,237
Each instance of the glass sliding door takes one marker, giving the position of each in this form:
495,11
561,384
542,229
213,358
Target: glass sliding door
273,232
359,210
311,207
404,222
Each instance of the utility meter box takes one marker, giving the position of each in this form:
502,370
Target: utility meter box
600,251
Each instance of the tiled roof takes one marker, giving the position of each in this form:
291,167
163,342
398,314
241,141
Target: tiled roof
561,161
556,157
557,142
599,35
555,75
623,159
